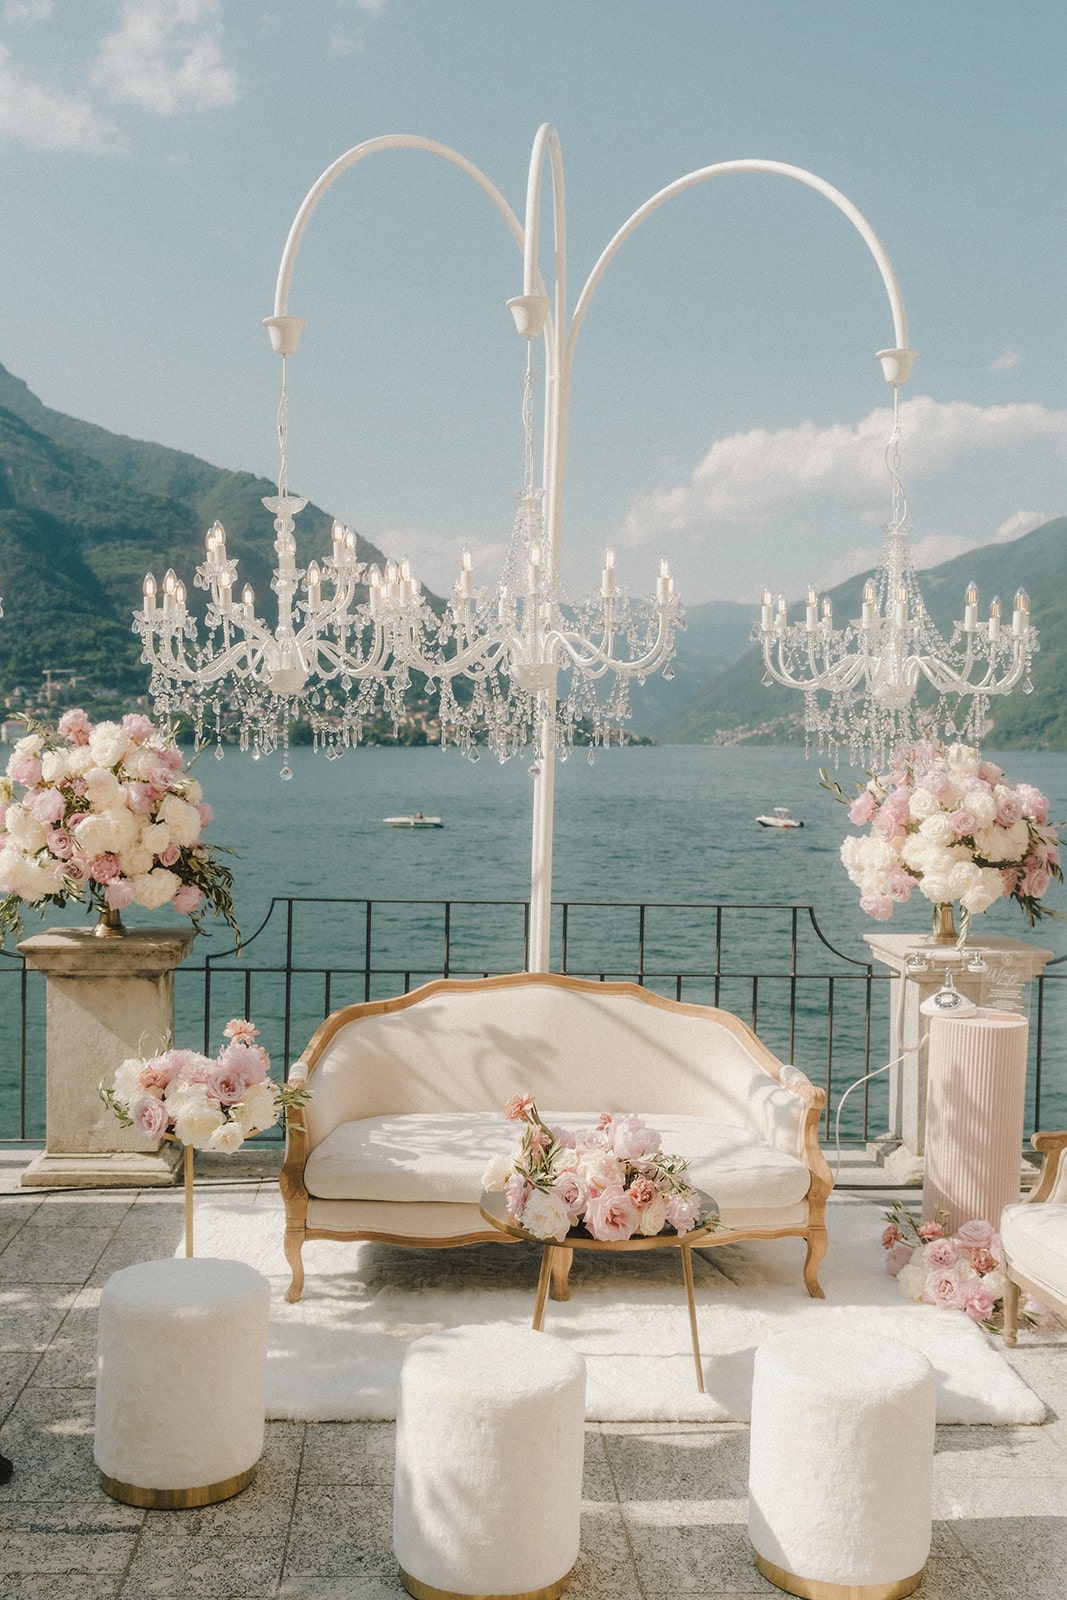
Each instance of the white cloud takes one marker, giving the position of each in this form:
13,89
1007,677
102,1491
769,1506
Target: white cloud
1022,522
43,116
166,58
1007,360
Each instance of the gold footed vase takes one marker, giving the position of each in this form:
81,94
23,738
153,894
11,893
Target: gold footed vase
944,929
110,925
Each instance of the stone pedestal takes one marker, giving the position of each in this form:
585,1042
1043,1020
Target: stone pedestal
1010,964
106,999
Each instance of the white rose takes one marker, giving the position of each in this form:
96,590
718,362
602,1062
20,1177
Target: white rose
139,762
653,1217
981,895
496,1174
545,1216
29,745
156,888
911,1280
108,744
227,1138
126,1084
181,818
102,788
938,829
996,1282
136,862
54,766
258,1109
155,837
922,804
195,1122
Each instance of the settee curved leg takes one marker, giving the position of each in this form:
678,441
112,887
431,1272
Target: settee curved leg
817,1243
294,1244
561,1271
1011,1314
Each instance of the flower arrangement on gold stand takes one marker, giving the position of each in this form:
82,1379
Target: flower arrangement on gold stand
612,1181
108,814
946,822
200,1102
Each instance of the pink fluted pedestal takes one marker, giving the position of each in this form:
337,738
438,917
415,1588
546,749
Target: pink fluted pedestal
974,1116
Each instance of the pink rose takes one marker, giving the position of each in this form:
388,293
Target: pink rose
1032,802
963,822
516,1192
104,868
976,1234
140,798
978,1302
898,887
944,1287
26,770
983,1261
572,1193
897,1257
76,871
60,844
119,894
138,728
878,906
682,1211
170,856
612,1215
632,1139
1010,877
1009,808
862,809
187,899
940,1253
930,1230
226,1086
150,1116
74,726
887,826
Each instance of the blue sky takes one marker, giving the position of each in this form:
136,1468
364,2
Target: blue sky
727,409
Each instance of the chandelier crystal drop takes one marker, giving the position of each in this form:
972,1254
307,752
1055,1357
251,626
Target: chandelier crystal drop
351,641
888,680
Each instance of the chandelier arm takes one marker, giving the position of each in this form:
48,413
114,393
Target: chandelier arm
723,169
603,660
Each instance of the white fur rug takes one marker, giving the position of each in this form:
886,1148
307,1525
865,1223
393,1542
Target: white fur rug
335,1356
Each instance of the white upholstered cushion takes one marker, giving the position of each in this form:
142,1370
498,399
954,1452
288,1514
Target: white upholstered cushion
442,1157
1035,1239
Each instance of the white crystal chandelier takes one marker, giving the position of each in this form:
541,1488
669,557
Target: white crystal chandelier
888,680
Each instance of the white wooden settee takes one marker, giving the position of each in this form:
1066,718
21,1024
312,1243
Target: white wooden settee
407,1096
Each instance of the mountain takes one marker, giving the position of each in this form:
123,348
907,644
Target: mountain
84,514
714,636
735,707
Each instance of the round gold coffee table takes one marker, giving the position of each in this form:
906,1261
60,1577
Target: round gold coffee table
494,1209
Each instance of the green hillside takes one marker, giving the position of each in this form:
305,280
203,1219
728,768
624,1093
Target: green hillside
84,514
735,706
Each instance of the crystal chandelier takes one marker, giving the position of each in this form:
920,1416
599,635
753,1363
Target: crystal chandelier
888,680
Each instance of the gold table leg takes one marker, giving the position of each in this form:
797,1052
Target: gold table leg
687,1274
543,1281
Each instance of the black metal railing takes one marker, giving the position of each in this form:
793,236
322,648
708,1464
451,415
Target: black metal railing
770,964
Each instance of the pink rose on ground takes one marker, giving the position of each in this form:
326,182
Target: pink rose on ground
682,1211
898,1257
187,899
930,1230
976,1234
119,894
519,1107
977,1301
945,1288
150,1116
982,1262
612,1215
940,1253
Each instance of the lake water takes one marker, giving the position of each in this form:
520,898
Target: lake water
655,824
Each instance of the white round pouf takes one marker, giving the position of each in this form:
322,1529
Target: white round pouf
180,1381
490,1438
841,1464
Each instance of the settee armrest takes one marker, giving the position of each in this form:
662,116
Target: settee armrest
1052,1184
813,1099
291,1178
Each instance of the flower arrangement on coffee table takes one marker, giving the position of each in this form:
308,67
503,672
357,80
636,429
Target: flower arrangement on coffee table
962,1271
106,813
945,821
611,1182
201,1102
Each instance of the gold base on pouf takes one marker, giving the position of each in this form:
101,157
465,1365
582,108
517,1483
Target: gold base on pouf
176,1499
427,1591
815,1589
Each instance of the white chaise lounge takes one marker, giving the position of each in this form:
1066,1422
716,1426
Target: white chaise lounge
1034,1233
407,1097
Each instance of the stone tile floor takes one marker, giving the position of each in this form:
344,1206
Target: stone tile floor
664,1515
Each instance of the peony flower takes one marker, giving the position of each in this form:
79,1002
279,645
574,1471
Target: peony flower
945,1286
181,818
495,1175
898,1256
600,1169
878,906
227,1138
546,1217
940,1253
911,1280
642,1192
187,899
631,1139
119,894
154,889
75,726
682,1210
653,1217
137,728
195,1120
258,1109
978,1302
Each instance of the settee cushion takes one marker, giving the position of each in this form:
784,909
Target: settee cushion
1035,1240
442,1156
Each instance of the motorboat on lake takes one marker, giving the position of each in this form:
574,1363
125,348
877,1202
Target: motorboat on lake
414,819
781,817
